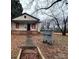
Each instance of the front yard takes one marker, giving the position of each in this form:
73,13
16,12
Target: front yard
59,49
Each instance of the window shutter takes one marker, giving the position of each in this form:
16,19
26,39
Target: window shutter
17,25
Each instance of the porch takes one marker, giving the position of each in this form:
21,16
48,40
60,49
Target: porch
24,32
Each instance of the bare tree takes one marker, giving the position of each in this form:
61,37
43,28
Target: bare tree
47,7
50,7
65,21
63,29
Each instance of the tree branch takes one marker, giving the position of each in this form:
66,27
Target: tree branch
47,7
65,21
57,23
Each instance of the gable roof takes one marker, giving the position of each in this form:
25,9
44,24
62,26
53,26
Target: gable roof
28,15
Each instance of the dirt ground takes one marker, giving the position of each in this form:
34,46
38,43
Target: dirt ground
58,50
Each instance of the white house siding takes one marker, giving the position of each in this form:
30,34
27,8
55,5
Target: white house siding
13,26
39,27
22,18
23,27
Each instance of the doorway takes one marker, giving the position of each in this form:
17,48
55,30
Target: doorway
28,27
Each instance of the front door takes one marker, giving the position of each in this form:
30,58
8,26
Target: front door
28,27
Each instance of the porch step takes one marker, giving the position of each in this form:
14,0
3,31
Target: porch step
25,32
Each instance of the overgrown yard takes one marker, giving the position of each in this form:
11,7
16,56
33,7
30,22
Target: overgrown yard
59,49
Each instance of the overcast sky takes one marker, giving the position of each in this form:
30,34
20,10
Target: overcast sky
27,9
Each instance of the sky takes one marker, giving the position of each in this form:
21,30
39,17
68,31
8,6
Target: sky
28,8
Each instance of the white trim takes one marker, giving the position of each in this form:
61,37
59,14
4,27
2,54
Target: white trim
40,53
18,57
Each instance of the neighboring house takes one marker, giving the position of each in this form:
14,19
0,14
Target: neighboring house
25,22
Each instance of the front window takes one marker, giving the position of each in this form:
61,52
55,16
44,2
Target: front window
33,26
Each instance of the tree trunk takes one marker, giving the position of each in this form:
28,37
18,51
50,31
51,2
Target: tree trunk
64,33
64,30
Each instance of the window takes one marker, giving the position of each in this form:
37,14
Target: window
17,25
33,26
24,16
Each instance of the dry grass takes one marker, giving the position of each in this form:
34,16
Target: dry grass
59,49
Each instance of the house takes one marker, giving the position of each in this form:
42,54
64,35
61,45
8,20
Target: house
25,22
